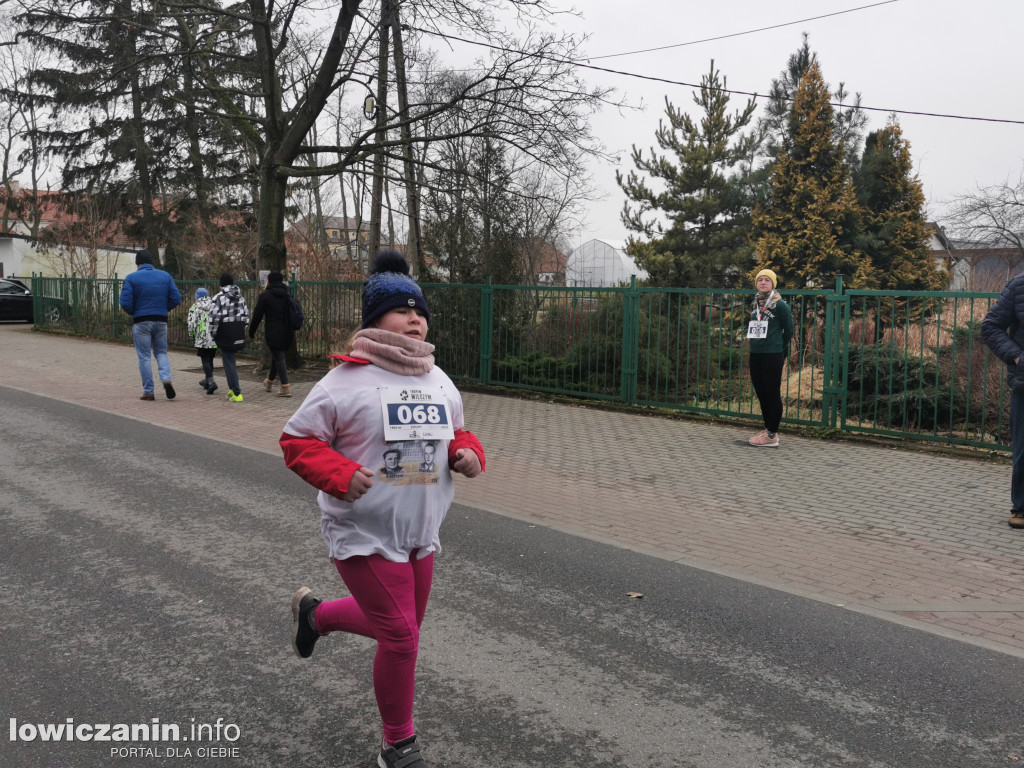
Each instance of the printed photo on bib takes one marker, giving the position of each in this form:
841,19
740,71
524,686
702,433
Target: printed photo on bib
415,413
411,462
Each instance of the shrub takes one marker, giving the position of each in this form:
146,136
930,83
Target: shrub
899,391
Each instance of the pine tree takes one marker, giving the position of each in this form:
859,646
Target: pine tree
109,98
472,214
131,137
895,233
806,228
702,194
849,123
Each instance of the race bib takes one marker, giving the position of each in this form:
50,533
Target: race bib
415,413
758,329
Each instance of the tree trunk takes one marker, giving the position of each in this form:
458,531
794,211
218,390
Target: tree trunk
377,197
413,250
271,254
138,142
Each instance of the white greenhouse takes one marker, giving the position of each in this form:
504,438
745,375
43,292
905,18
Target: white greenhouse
601,263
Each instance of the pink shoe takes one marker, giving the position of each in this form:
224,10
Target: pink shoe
761,440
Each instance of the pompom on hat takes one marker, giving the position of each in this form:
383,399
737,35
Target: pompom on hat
767,273
390,286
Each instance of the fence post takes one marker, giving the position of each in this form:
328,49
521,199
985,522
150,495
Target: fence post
74,294
115,300
834,376
37,297
486,331
630,342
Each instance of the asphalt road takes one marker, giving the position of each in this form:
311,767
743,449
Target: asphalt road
145,574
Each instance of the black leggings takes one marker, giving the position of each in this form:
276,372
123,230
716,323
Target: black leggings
766,376
277,365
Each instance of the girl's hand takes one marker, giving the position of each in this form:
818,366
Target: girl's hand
359,484
467,462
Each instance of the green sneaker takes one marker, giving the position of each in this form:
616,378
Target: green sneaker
233,397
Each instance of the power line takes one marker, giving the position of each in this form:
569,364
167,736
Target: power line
731,91
740,34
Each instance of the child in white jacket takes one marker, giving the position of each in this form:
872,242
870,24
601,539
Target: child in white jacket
202,338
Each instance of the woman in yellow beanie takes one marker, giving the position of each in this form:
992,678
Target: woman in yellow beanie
770,331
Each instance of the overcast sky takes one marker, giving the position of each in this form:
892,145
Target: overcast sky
939,56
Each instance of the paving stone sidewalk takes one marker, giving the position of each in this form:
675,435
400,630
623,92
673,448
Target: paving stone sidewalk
917,538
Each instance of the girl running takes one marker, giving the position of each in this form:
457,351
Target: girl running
359,438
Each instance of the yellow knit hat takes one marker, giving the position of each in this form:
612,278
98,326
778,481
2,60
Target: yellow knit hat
769,273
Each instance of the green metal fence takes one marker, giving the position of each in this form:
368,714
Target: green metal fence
882,362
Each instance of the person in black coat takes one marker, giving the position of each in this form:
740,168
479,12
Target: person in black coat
1003,332
272,306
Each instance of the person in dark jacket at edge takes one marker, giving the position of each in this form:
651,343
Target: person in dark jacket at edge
148,295
1003,332
272,305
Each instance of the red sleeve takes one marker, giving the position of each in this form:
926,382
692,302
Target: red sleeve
318,464
466,439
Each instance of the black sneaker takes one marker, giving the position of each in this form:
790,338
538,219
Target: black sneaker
169,390
212,388
204,383
304,637
404,754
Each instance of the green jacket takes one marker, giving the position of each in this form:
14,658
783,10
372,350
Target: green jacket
780,328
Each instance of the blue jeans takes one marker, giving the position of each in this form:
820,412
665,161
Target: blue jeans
230,370
1017,435
150,337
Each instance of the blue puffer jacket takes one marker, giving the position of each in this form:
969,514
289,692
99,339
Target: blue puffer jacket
149,294
1003,330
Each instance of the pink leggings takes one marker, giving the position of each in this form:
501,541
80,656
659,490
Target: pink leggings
388,602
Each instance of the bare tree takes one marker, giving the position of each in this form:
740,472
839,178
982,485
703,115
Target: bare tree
991,216
248,66
988,224
79,245
21,112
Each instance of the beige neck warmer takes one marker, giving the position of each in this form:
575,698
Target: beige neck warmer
393,351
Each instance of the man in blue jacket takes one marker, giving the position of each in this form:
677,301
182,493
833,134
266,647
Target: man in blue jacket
148,295
1003,332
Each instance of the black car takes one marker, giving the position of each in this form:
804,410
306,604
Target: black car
16,303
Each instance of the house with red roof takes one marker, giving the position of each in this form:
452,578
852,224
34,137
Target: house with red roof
49,233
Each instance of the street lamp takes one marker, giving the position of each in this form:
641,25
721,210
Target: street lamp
370,107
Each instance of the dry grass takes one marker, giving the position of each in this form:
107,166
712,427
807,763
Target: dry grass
803,387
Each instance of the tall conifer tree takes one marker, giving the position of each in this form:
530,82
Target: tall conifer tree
806,227
849,123
702,195
132,139
895,235
105,82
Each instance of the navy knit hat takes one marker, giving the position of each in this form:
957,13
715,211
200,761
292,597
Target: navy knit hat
390,286
200,292
143,257
275,277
